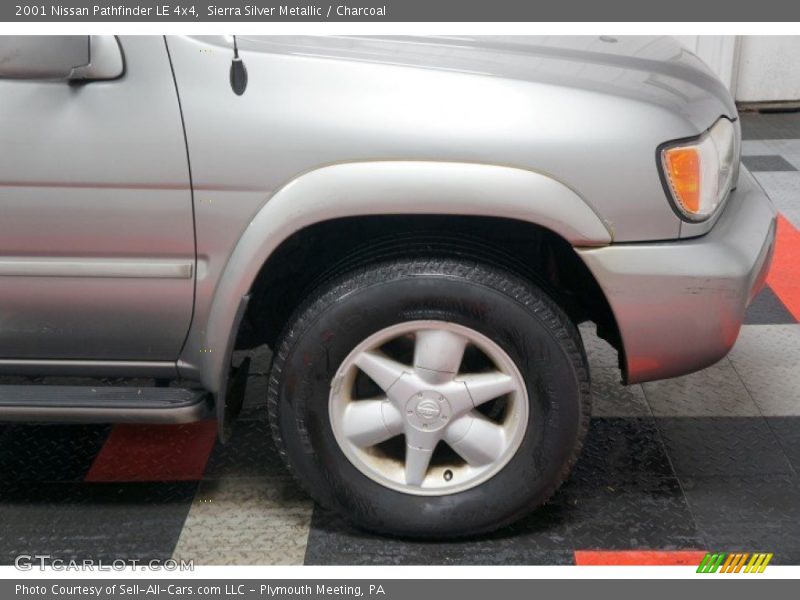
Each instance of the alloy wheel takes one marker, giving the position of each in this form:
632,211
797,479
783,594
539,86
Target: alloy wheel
428,407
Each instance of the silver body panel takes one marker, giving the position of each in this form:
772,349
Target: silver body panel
113,256
679,305
97,236
575,114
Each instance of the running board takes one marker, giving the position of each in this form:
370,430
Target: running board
102,404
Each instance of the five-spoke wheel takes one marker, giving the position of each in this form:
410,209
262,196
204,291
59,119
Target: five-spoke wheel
479,414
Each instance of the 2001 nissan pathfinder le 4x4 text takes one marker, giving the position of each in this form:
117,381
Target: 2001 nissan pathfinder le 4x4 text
414,226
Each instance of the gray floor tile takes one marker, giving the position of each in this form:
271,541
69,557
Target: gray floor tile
241,521
612,399
784,191
767,162
713,392
784,146
770,126
767,309
794,159
788,149
755,147
775,390
599,352
767,346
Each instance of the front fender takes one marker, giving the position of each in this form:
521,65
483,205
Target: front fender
378,188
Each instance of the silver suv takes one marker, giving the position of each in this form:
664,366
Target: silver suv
414,226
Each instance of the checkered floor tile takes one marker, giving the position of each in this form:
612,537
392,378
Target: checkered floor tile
670,468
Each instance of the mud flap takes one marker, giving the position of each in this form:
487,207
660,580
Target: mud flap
231,395
234,398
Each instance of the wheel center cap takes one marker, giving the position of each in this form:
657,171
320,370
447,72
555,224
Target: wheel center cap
428,410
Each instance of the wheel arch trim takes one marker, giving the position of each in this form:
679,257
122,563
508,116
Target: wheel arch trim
384,188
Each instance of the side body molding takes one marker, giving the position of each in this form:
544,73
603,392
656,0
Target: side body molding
381,188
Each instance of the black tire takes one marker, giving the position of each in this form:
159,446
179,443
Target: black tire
535,333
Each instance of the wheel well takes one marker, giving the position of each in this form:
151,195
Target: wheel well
322,250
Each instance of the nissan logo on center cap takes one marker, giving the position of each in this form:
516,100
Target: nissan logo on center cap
428,409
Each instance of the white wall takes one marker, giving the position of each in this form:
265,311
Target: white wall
769,68
757,68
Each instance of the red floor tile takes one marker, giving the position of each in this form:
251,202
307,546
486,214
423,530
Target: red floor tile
638,557
154,453
784,277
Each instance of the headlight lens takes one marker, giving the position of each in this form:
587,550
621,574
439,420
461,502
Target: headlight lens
699,173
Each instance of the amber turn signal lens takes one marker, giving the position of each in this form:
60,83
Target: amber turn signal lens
683,171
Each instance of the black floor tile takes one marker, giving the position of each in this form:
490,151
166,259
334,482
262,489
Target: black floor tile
787,430
332,541
249,453
620,450
254,407
650,514
72,521
621,495
750,514
770,126
767,309
49,452
725,447
767,162
786,556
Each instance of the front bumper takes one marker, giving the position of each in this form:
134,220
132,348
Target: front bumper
679,305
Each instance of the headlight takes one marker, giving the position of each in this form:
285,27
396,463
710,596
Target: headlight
699,173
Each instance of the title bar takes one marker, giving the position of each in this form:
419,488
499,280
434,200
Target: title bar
399,11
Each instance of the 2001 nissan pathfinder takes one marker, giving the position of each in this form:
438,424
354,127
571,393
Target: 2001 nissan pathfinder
414,226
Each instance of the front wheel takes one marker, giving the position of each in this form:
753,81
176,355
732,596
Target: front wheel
430,397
